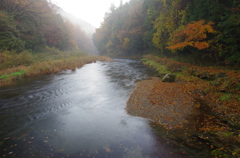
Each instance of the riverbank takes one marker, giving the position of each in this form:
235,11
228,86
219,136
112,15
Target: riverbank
42,64
200,109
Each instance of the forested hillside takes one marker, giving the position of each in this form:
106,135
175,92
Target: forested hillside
200,30
85,38
35,24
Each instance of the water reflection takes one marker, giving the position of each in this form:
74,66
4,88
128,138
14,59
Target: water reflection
78,114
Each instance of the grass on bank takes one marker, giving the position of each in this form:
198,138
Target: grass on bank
14,66
15,74
161,69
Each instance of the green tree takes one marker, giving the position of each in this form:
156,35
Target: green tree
171,16
9,35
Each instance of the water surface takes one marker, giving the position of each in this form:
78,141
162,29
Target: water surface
79,114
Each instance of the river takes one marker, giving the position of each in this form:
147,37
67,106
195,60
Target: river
79,114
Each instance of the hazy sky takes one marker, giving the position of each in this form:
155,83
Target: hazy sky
92,11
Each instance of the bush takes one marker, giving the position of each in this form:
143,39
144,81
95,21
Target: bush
52,50
12,59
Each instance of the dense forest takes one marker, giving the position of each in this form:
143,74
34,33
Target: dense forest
196,30
190,30
35,24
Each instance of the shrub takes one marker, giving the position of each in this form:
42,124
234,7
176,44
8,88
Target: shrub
52,50
12,59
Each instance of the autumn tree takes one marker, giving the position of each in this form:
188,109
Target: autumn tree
165,25
29,18
192,34
225,14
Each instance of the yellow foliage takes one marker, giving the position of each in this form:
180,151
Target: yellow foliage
166,23
126,43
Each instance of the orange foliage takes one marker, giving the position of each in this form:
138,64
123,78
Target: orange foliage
192,35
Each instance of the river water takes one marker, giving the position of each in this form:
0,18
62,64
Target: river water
79,114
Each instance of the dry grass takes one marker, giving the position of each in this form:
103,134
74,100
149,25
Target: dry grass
10,75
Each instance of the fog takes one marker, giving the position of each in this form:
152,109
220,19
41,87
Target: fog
91,11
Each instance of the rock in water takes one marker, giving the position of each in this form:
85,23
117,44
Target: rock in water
169,78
